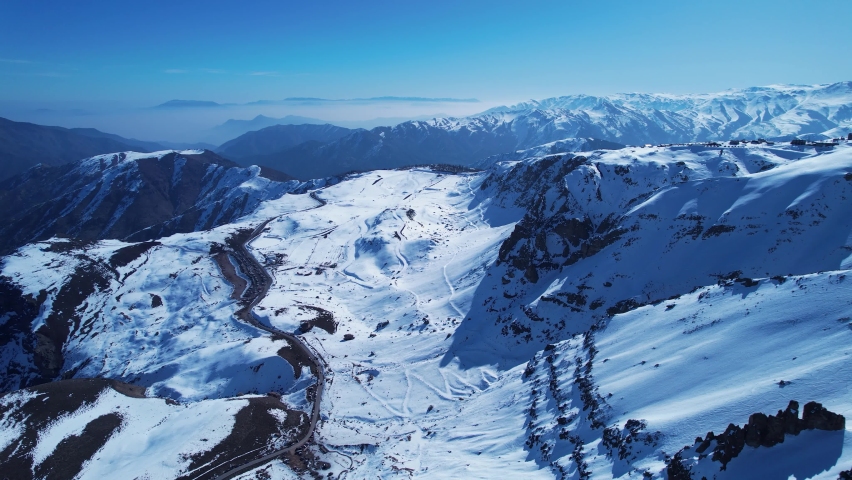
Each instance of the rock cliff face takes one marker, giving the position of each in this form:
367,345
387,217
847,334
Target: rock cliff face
597,230
761,431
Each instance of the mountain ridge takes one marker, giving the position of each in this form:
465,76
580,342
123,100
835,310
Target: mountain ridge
23,145
132,195
779,112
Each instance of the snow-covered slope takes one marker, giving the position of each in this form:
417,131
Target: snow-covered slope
563,146
567,316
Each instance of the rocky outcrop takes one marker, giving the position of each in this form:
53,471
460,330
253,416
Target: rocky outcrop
559,233
761,431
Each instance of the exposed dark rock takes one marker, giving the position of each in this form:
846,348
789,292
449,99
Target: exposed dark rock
255,432
323,319
68,457
22,310
622,441
156,301
676,470
89,276
717,230
623,306
817,417
125,255
768,430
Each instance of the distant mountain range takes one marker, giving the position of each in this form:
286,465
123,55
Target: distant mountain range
307,148
465,142
23,145
279,137
189,104
233,128
774,112
312,101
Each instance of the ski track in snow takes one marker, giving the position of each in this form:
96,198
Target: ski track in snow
452,290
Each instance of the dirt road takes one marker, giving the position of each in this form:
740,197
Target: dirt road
260,281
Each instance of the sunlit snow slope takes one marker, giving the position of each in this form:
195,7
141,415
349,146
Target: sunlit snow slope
576,316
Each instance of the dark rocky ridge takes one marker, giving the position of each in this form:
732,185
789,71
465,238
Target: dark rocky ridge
24,145
409,143
138,200
761,431
279,137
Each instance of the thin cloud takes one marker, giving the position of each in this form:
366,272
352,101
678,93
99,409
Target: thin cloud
264,74
14,60
213,70
175,71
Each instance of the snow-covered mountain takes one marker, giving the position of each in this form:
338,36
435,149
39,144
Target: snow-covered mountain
565,316
774,112
133,195
551,148
464,142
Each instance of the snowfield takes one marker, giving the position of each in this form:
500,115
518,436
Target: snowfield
562,316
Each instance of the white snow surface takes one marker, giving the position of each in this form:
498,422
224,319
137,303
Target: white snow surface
440,389
774,111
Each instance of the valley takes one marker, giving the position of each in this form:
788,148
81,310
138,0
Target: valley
403,240
514,321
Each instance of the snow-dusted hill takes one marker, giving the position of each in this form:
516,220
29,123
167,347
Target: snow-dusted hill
566,316
133,196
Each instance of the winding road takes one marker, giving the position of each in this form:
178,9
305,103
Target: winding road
261,281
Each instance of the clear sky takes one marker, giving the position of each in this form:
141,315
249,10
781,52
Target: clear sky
144,53
103,64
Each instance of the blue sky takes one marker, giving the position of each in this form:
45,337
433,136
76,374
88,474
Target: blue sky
144,53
